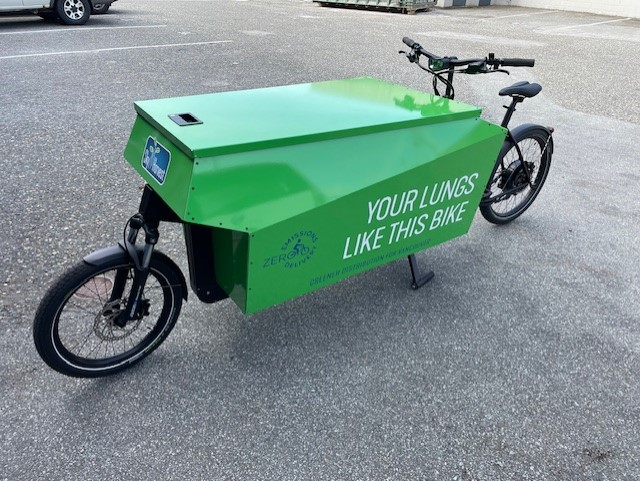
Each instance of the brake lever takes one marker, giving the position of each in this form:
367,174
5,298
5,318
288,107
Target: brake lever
494,69
493,63
410,55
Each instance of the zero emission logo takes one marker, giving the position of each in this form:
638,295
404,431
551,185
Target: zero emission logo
295,251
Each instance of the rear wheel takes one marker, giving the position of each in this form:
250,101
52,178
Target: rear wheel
509,192
73,12
100,8
75,329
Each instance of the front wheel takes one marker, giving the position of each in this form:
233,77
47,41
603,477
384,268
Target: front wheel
517,180
75,329
73,12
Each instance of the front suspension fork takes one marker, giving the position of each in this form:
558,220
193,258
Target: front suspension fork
135,308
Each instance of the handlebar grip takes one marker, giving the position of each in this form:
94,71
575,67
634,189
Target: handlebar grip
408,42
517,62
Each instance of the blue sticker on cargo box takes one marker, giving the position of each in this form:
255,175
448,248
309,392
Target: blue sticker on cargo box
156,159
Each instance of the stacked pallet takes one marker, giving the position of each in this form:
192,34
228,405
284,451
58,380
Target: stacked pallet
401,6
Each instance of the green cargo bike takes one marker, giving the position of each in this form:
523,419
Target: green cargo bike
284,190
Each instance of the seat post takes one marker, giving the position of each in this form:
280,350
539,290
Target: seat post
515,100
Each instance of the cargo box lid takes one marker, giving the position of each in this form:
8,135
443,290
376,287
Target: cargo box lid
239,121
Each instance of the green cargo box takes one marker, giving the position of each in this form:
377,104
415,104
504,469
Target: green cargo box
402,6
305,185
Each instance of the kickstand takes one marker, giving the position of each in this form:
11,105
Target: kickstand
419,279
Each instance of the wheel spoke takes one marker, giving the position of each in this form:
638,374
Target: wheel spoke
84,341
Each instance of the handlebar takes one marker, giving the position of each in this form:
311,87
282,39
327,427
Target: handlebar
408,42
518,62
474,65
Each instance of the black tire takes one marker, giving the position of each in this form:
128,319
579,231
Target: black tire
509,177
73,12
100,8
74,330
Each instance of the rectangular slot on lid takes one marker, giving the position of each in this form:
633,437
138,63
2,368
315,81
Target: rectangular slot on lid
185,119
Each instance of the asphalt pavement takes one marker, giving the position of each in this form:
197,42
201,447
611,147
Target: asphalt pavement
519,361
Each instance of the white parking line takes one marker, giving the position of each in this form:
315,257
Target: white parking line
99,50
82,29
591,24
481,38
519,15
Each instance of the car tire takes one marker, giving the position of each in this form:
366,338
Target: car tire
73,12
100,8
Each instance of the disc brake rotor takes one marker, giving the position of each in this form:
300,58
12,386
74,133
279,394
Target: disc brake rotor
105,328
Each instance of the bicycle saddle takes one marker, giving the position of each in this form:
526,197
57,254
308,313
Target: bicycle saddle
522,89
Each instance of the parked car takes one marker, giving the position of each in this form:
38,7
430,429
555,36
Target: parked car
69,12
